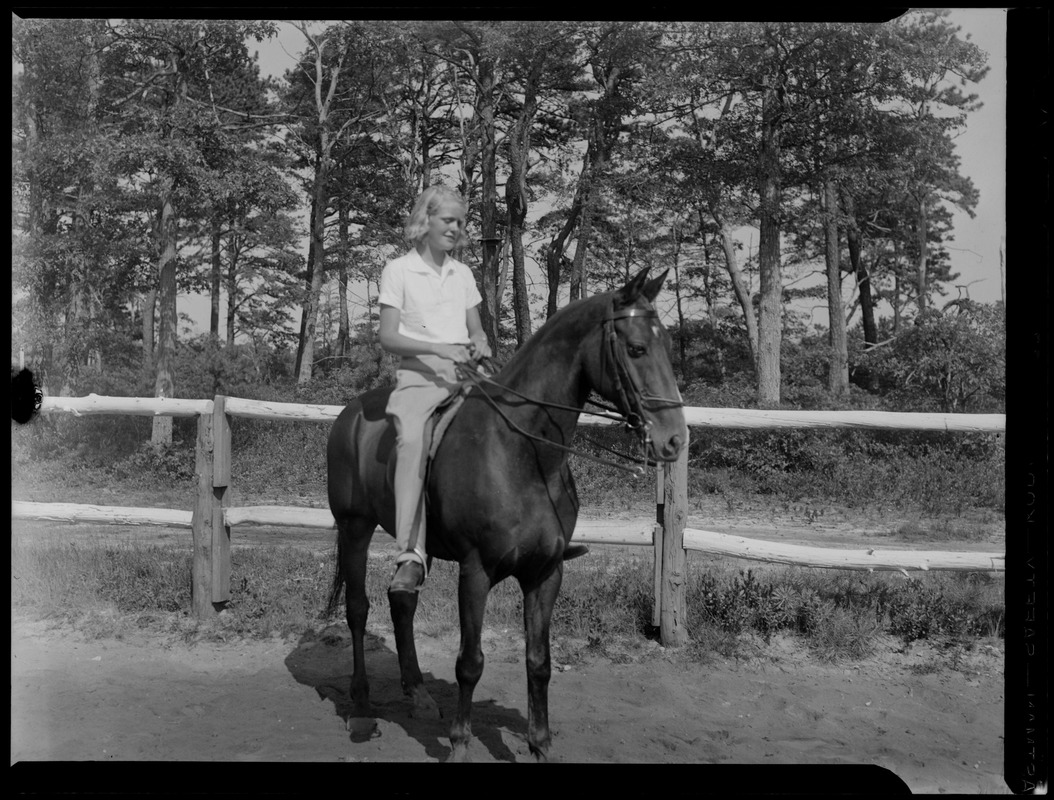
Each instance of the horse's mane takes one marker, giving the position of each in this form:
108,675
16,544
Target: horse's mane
574,312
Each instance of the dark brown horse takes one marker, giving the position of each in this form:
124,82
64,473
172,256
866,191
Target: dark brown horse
501,499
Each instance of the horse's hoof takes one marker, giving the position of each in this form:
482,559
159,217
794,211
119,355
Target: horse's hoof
424,706
459,755
362,729
540,752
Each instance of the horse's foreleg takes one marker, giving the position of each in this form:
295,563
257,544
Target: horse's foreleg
354,545
538,604
473,587
403,606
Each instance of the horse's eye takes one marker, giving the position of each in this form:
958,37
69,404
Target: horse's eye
635,350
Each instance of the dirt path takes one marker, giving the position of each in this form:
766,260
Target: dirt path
153,698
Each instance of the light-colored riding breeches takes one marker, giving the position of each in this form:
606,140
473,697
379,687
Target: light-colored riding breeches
422,384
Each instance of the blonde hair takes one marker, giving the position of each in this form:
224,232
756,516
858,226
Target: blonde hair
416,227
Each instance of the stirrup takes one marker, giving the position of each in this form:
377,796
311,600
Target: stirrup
408,584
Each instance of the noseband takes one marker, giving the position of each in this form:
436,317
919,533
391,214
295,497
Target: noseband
633,399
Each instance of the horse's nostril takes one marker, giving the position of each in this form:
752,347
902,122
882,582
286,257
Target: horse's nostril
673,445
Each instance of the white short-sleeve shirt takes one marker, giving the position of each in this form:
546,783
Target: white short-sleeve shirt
432,306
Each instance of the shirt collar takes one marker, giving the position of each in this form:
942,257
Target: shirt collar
417,264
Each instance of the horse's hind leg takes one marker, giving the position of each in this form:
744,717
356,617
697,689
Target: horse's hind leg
538,601
403,607
473,587
353,547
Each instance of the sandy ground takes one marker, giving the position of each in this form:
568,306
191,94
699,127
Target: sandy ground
155,698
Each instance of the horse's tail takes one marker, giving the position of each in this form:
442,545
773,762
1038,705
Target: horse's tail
337,587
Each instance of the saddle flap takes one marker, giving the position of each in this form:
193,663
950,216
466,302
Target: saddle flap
440,421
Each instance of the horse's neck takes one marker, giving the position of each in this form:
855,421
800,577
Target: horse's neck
549,367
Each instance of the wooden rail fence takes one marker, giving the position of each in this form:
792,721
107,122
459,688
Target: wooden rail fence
212,518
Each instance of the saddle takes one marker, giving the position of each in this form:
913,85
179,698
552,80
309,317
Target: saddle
441,418
437,425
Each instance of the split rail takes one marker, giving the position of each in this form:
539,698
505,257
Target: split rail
212,517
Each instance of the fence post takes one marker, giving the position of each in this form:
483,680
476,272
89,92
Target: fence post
673,630
221,481
656,547
201,563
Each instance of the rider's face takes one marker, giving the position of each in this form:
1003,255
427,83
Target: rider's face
445,226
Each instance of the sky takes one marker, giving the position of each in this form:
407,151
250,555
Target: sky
975,251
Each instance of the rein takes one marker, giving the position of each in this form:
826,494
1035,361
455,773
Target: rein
478,379
631,397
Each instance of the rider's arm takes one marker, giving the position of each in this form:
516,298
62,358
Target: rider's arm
476,335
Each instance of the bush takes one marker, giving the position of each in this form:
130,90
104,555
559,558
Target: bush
840,616
157,464
944,472
954,608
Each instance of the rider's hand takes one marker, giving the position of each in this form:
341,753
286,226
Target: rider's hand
458,353
480,348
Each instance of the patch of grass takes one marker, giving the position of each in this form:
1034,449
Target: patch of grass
604,608
942,530
63,579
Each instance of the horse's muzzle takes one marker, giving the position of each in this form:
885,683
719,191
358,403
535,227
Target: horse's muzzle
668,449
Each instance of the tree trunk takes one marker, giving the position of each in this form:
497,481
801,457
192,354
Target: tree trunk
897,266
149,304
896,304
310,280
554,254
579,282
739,284
164,384
318,233
863,277
343,323
682,334
770,312
1002,270
490,310
838,364
232,298
217,274
923,246
520,305
516,207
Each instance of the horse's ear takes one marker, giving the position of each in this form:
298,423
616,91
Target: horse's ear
629,293
652,287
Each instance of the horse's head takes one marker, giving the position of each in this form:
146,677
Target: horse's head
634,372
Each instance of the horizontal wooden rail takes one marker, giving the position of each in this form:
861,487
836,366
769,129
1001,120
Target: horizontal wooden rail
139,406
695,416
640,533
296,412
283,516
109,515
875,420
614,532
870,559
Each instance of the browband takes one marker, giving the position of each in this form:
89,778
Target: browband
632,312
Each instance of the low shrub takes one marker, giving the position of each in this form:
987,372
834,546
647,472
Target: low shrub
605,599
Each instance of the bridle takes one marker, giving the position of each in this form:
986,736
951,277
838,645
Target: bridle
633,400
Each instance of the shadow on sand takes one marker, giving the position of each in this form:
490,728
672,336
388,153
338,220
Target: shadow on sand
323,661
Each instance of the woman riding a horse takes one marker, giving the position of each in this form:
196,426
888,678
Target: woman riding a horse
430,318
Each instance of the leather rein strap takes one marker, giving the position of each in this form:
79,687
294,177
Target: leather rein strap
630,395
